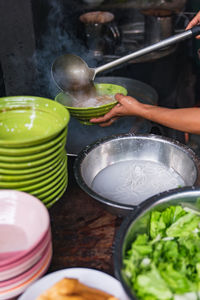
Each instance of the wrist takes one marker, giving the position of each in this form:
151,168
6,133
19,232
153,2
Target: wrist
143,110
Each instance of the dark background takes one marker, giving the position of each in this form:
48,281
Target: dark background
33,33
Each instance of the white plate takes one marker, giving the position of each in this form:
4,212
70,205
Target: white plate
90,277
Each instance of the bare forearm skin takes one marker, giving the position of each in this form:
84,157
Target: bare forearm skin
182,119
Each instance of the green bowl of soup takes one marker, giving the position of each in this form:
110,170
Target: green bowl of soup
94,108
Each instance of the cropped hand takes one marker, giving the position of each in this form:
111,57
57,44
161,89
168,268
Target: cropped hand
126,106
195,21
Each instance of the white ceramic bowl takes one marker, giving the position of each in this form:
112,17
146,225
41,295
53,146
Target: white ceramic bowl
24,221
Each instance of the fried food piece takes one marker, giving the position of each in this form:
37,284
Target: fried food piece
59,297
69,286
73,289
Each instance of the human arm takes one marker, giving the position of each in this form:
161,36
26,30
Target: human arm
182,119
195,21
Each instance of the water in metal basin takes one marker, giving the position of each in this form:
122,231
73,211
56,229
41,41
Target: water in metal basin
133,181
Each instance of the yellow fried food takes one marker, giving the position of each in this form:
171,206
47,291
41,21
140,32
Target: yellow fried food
59,297
73,289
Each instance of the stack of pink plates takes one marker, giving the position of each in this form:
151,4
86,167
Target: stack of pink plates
25,242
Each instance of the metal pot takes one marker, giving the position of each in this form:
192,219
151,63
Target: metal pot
110,150
99,32
158,26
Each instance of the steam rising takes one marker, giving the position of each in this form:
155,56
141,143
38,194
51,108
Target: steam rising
58,39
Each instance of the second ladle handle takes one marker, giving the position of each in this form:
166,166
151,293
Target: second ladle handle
164,43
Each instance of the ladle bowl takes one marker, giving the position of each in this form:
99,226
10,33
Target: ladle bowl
71,72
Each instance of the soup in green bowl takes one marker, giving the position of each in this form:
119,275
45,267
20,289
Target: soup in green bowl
94,107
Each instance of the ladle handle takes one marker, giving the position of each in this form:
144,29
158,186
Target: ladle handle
164,43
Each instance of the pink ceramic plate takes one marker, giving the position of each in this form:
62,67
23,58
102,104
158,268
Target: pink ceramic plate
18,280
25,263
20,288
24,222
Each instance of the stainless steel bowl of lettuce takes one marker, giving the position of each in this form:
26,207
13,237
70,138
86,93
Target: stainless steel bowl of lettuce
157,248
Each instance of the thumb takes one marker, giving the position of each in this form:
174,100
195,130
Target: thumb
120,98
123,99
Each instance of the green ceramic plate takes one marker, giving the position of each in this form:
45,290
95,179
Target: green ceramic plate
52,193
34,157
84,114
33,149
31,164
15,185
26,177
31,171
47,182
29,120
50,185
49,204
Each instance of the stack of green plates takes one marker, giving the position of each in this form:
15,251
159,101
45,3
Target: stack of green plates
33,159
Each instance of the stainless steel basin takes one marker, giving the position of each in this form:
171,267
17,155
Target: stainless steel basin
110,150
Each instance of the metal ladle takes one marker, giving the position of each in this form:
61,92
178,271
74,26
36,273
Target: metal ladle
71,73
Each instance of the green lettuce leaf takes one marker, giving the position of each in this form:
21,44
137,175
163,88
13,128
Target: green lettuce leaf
152,284
160,221
184,225
164,263
178,282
